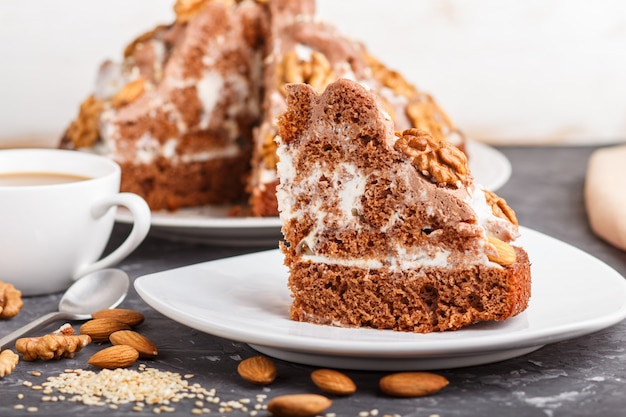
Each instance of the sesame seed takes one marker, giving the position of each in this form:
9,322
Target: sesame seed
20,396
142,390
18,407
32,409
35,373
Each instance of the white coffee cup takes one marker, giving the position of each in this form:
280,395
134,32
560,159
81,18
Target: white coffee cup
53,234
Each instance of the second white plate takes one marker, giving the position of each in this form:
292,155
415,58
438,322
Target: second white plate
246,298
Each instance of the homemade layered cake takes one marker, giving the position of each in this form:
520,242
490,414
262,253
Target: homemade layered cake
177,113
387,229
190,112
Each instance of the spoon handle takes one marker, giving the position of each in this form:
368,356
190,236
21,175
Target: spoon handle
36,325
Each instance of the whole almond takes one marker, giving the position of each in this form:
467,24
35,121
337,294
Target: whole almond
333,382
113,357
141,343
298,405
505,254
412,384
258,370
101,329
130,317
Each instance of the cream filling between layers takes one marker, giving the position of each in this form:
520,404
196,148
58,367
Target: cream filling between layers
403,261
492,224
208,88
348,194
147,149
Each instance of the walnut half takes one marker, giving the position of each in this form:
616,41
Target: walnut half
316,71
10,300
437,160
500,208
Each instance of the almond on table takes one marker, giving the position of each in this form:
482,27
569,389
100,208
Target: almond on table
333,382
113,357
258,370
142,344
412,384
298,405
101,329
130,317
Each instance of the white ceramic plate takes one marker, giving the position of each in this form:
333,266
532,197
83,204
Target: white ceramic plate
490,167
245,298
211,224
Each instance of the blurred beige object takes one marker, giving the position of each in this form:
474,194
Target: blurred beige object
506,71
605,194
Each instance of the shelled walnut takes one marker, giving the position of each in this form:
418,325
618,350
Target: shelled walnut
51,346
437,160
8,362
10,300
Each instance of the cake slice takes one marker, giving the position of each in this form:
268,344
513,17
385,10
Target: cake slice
301,49
388,230
177,113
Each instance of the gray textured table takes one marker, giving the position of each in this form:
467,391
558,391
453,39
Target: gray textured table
585,376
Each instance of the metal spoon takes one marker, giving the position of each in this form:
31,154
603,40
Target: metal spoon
96,291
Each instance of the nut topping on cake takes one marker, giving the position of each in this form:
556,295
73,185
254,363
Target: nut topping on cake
439,161
129,93
83,131
317,72
500,208
427,115
389,78
186,9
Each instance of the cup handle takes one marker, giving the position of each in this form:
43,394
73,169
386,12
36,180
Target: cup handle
141,225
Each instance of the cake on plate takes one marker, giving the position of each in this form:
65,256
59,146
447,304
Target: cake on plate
387,229
190,111
177,113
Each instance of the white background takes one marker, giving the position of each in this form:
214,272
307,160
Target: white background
507,72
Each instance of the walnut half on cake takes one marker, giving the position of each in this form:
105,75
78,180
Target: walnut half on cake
388,230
